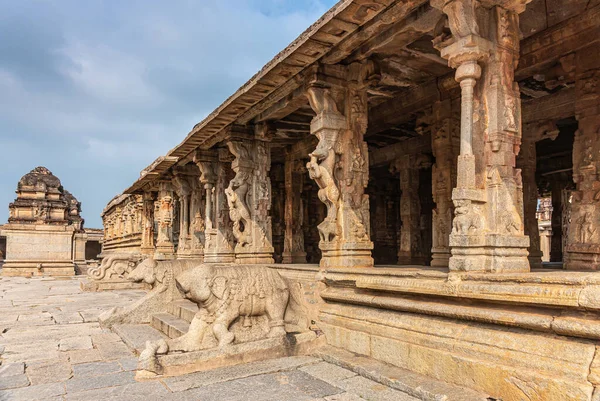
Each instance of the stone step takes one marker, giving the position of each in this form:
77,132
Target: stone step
422,387
136,335
183,309
170,325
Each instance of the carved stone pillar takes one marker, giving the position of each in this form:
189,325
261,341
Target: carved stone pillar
249,197
278,197
583,242
164,240
293,248
183,189
197,221
147,247
410,249
214,177
556,242
445,142
487,233
527,163
340,167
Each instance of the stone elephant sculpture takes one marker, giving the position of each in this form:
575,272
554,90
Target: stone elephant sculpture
224,295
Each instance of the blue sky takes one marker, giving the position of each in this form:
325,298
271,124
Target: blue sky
95,90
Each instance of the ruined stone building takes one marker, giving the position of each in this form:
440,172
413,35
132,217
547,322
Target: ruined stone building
45,233
390,160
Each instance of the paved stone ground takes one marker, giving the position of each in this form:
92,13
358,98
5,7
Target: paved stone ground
52,348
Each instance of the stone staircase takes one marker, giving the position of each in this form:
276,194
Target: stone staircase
176,321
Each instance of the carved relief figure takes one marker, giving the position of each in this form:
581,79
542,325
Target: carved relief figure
585,228
237,192
466,220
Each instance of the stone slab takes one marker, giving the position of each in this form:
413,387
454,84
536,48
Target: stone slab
111,351
8,382
49,372
270,348
136,335
200,379
78,384
73,343
12,369
95,369
42,392
404,380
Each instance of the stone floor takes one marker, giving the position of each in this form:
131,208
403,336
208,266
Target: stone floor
52,348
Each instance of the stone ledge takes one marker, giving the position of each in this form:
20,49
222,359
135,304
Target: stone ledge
414,384
189,362
557,321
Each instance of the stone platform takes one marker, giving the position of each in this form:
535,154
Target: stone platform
52,348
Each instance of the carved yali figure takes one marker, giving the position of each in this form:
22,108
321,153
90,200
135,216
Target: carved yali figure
117,264
226,295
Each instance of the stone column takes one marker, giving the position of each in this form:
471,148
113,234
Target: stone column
164,241
410,249
488,198
293,248
183,189
583,242
147,246
214,178
527,163
249,197
556,221
340,167
445,142
197,221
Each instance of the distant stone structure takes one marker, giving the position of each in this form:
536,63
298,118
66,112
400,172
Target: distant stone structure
45,234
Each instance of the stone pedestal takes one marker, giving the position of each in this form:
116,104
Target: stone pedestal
38,250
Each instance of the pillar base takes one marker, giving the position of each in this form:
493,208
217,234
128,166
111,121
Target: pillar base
347,255
164,252
535,260
412,260
582,257
440,258
219,257
489,253
147,250
254,257
294,257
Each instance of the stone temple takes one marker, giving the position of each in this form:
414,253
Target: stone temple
45,234
370,195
